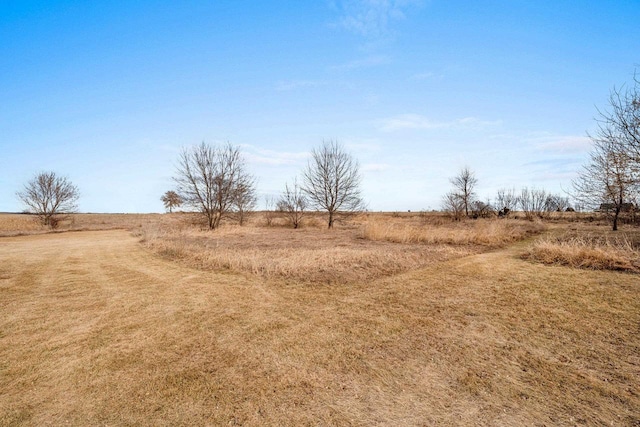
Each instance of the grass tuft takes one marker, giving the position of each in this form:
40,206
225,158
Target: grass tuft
596,253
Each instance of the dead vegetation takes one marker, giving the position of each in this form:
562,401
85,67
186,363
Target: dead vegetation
97,330
599,251
367,247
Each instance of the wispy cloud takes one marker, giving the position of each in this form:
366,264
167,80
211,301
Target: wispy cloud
375,167
372,18
417,121
299,84
258,155
563,144
370,61
423,76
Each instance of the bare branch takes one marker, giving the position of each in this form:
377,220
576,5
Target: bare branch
48,196
211,180
332,181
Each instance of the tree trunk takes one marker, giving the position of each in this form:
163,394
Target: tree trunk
330,219
615,219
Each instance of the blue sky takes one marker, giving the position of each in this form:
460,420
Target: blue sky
107,93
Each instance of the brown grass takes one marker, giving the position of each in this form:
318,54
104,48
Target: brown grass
96,329
597,252
491,233
312,255
22,224
367,247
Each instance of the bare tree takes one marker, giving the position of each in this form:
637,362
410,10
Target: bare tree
270,204
609,181
293,204
245,199
534,202
557,203
331,181
507,200
50,197
464,187
620,123
210,178
453,205
171,200
482,209
611,178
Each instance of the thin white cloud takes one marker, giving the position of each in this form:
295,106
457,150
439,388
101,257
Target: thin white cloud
368,62
372,18
299,84
419,122
375,167
564,144
423,76
258,155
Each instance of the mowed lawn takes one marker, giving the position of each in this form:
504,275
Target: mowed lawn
96,329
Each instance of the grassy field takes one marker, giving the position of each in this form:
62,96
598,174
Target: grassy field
386,320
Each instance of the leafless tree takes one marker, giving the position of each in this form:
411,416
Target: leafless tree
210,179
534,202
557,203
610,179
464,187
50,197
270,205
171,200
507,199
620,123
453,205
331,181
482,209
293,204
245,199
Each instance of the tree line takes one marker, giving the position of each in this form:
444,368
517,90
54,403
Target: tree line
214,180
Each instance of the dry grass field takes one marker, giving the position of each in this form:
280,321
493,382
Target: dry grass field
138,320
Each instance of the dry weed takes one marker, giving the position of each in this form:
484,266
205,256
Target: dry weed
583,251
307,255
490,233
96,331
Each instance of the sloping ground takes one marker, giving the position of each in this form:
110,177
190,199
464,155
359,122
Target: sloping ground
94,330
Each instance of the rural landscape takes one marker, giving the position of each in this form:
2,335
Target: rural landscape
388,318
331,213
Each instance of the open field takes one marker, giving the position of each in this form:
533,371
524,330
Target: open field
99,329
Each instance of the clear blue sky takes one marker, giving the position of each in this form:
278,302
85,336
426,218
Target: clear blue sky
107,93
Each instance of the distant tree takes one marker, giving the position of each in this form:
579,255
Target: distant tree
270,205
482,209
534,202
620,123
507,198
453,205
293,204
245,200
50,197
557,203
610,178
331,181
464,187
210,179
171,200
612,175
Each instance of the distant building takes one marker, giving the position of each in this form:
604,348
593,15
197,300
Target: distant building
625,207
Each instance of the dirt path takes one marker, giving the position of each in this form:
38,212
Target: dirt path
95,330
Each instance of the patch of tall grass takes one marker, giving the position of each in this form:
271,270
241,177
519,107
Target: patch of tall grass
595,253
491,233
